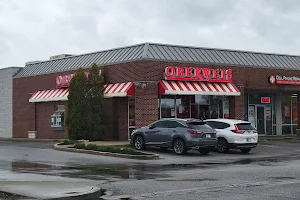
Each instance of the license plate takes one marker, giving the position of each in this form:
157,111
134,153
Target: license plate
208,135
249,139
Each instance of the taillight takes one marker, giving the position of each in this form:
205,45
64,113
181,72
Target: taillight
255,132
193,132
236,130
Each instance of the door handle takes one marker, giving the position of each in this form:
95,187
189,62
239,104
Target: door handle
174,131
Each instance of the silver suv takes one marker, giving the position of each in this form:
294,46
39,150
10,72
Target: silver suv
179,134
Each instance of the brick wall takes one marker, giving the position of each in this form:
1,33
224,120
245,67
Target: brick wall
236,106
122,118
44,110
248,78
146,103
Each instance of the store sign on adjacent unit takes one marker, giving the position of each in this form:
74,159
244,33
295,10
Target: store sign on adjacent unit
265,100
284,80
64,81
197,74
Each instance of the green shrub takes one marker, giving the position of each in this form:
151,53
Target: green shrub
92,147
69,142
95,147
80,145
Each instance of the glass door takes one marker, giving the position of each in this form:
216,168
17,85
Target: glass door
131,116
260,120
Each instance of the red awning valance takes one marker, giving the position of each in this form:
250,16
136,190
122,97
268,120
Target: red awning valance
193,88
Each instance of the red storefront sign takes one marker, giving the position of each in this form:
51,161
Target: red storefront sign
265,100
197,74
284,80
64,81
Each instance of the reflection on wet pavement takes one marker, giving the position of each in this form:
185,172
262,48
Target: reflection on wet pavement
121,171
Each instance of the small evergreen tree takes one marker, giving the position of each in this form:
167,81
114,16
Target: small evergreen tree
77,106
95,103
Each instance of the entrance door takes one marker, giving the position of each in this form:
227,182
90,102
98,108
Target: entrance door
260,120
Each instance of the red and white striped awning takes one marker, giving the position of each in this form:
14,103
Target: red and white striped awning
50,95
119,90
111,90
193,88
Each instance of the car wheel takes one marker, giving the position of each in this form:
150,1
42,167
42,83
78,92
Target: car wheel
246,150
139,142
204,151
222,146
179,147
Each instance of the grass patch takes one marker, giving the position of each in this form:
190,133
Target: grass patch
103,148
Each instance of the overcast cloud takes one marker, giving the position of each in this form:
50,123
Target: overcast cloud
37,29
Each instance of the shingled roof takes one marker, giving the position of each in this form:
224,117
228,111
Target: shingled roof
163,52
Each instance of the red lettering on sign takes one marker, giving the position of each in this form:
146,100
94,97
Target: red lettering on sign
222,76
206,73
229,74
180,71
64,81
189,72
216,74
198,74
170,71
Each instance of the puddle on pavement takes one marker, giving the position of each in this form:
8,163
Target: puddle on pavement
187,179
122,171
93,172
283,178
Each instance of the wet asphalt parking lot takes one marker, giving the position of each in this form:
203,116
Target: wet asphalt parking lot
271,171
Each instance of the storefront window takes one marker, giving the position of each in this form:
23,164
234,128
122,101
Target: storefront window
131,112
193,106
167,104
131,116
183,106
289,114
260,111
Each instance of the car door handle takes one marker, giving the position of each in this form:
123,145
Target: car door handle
174,131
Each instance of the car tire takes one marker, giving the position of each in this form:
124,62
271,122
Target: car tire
179,147
222,146
204,151
139,142
246,150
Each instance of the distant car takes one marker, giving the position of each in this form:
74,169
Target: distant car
178,134
234,134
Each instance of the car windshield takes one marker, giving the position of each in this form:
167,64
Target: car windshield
198,125
245,126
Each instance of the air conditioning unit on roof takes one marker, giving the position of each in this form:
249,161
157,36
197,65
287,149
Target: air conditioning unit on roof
60,56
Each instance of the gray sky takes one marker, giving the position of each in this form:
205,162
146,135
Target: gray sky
37,29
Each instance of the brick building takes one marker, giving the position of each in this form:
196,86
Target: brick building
149,81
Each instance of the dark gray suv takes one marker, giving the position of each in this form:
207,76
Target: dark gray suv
179,134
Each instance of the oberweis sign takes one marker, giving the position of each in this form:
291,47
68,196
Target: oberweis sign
197,74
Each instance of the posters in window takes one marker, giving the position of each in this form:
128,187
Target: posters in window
268,112
251,115
226,109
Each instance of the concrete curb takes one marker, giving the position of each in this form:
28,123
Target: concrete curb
150,156
30,140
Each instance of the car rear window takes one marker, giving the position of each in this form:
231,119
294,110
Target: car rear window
199,125
245,126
